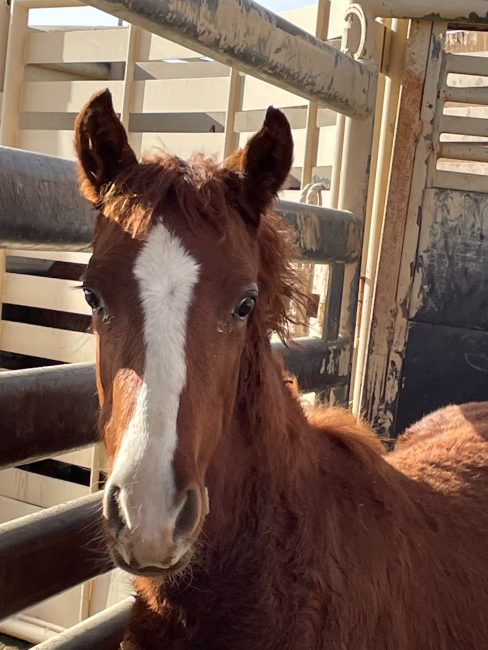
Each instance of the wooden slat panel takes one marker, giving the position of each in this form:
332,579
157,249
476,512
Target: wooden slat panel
48,343
83,46
51,143
259,94
463,125
185,144
12,509
177,122
325,153
59,256
248,121
66,96
182,95
45,293
38,490
82,457
154,96
187,70
161,49
472,65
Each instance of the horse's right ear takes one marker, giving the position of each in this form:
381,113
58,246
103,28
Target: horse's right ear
264,164
101,145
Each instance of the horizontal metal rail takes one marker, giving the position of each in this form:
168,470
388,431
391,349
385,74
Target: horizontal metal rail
46,553
103,631
471,151
40,203
41,208
466,95
471,65
316,364
476,126
324,235
467,11
53,410
46,412
246,36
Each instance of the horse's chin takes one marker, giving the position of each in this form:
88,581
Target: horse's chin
153,571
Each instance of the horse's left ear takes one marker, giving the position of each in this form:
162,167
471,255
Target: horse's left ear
101,145
265,164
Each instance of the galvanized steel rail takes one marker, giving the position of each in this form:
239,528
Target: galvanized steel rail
41,208
246,36
46,553
103,631
46,411
49,411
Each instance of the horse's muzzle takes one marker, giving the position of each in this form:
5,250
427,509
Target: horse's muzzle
161,545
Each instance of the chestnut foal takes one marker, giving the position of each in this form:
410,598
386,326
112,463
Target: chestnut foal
314,538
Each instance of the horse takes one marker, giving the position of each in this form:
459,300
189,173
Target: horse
248,523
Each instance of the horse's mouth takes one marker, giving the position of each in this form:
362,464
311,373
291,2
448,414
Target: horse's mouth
152,571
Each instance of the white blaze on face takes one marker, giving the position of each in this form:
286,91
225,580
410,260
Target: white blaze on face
143,468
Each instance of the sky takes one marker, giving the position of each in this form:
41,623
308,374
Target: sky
88,16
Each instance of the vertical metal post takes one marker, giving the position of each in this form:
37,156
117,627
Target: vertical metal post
4,27
14,73
236,91
312,131
12,88
353,193
128,92
394,73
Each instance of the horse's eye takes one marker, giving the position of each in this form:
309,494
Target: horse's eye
92,299
244,308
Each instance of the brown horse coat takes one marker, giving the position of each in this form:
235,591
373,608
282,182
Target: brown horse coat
316,539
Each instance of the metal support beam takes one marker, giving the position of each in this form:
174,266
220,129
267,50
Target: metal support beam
46,553
324,235
40,203
53,410
246,36
103,631
467,11
46,412
41,207
318,365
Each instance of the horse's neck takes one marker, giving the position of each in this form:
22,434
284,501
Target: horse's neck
264,455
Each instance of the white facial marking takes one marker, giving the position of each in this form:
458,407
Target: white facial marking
143,469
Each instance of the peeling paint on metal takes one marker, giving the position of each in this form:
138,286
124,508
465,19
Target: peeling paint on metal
309,231
451,281
244,35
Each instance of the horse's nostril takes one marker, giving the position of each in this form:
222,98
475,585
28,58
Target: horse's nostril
189,514
113,513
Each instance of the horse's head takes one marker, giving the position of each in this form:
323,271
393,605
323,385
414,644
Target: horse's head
181,272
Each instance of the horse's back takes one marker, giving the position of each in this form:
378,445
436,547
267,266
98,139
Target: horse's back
444,462
446,446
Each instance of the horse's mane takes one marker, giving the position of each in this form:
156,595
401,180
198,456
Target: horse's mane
201,188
